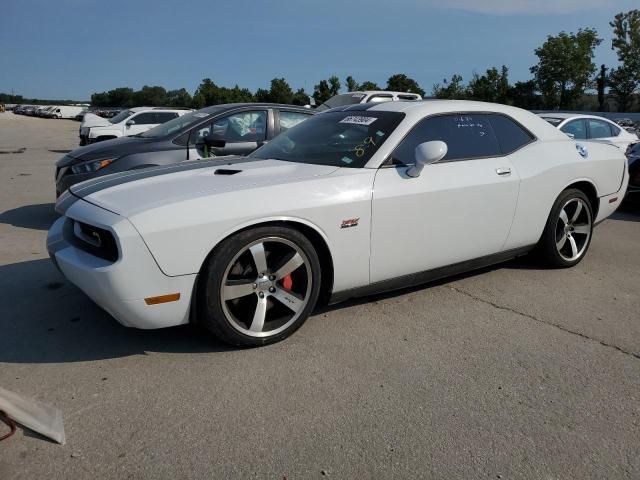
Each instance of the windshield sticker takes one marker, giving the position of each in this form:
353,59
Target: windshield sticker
347,160
379,133
201,115
358,120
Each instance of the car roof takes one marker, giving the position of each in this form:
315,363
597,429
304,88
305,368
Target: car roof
572,116
413,110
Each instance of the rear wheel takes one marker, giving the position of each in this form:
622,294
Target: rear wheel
259,286
568,232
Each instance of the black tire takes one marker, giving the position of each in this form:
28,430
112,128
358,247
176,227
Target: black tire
548,250
218,318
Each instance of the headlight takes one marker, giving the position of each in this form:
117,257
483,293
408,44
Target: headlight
93,166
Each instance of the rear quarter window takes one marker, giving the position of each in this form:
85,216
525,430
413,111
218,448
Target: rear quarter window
511,135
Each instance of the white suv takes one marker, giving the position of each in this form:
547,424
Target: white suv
132,121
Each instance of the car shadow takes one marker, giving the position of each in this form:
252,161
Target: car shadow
629,211
520,263
36,217
45,319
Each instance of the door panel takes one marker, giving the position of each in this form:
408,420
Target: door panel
453,212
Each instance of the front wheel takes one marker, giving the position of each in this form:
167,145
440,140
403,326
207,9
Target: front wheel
568,232
259,286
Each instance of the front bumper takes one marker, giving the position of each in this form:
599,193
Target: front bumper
119,287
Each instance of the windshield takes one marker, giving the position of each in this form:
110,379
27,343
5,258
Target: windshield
340,139
121,116
341,101
177,124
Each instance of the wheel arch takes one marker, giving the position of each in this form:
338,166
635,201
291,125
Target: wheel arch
315,235
589,189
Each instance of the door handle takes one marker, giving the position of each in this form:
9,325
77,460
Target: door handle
503,171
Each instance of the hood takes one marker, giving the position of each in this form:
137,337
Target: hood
128,193
93,120
115,148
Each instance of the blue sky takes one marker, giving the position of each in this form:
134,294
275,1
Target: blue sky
72,48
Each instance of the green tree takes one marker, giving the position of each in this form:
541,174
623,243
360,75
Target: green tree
322,92
625,79
300,97
262,95
490,87
622,86
178,98
451,90
150,96
198,101
525,95
401,83
352,85
367,85
565,67
280,91
334,85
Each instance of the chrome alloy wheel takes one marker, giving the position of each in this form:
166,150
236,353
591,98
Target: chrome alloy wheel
573,229
266,287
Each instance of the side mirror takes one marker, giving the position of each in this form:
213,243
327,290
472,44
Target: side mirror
426,154
212,142
130,122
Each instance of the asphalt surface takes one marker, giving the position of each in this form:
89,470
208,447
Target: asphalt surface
510,372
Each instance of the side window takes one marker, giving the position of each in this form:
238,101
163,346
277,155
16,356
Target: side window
577,129
467,136
380,98
146,118
291,119
510,135
236,128
615,130
162,117
599,129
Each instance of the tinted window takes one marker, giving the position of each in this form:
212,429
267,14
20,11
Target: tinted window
181,122
599,129
510,135
291,119
577,129
466,135
147,118
615,130
162,117
237,128
341,139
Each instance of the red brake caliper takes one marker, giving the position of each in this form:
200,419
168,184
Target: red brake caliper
287,282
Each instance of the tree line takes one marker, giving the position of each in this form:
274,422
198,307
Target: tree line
564,78
208,93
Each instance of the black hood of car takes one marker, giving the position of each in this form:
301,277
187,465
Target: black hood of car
115,148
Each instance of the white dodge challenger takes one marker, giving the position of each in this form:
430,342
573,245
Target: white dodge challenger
358,200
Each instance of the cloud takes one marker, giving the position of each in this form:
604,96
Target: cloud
517,7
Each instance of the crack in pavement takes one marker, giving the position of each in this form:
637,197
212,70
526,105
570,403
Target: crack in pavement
535,319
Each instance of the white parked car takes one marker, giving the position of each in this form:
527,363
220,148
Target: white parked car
590,127
368,96
66,111
129,122
345,204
